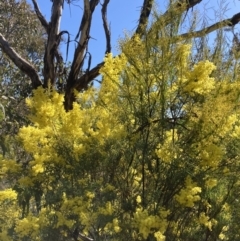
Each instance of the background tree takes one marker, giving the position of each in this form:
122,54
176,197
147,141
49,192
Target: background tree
20,25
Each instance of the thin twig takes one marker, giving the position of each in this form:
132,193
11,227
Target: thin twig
40,16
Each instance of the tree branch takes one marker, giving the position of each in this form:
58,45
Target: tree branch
106,27
225,23
53,42
234,20
188,3
85,26
83,82
40,16
146,10
79,54
21,63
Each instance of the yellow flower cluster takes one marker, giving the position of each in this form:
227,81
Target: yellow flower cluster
8,194
222,235
9,212
159,236
55,128
198,80
182,54
8,166
211,182
211,155
107,210
111,78
112,227
167,151
190,194
205,220
28,227
147,224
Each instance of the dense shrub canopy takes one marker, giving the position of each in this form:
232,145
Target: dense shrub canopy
150,155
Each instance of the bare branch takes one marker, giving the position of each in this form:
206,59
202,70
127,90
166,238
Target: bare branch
40,16
53,42
82,44
84,37
146,10
83,82
225,23
83,41
79,54
80,84
234,20
21,63
68,41
106,27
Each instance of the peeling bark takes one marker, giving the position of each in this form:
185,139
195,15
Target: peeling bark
52,43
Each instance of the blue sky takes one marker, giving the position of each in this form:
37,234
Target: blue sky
123,16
